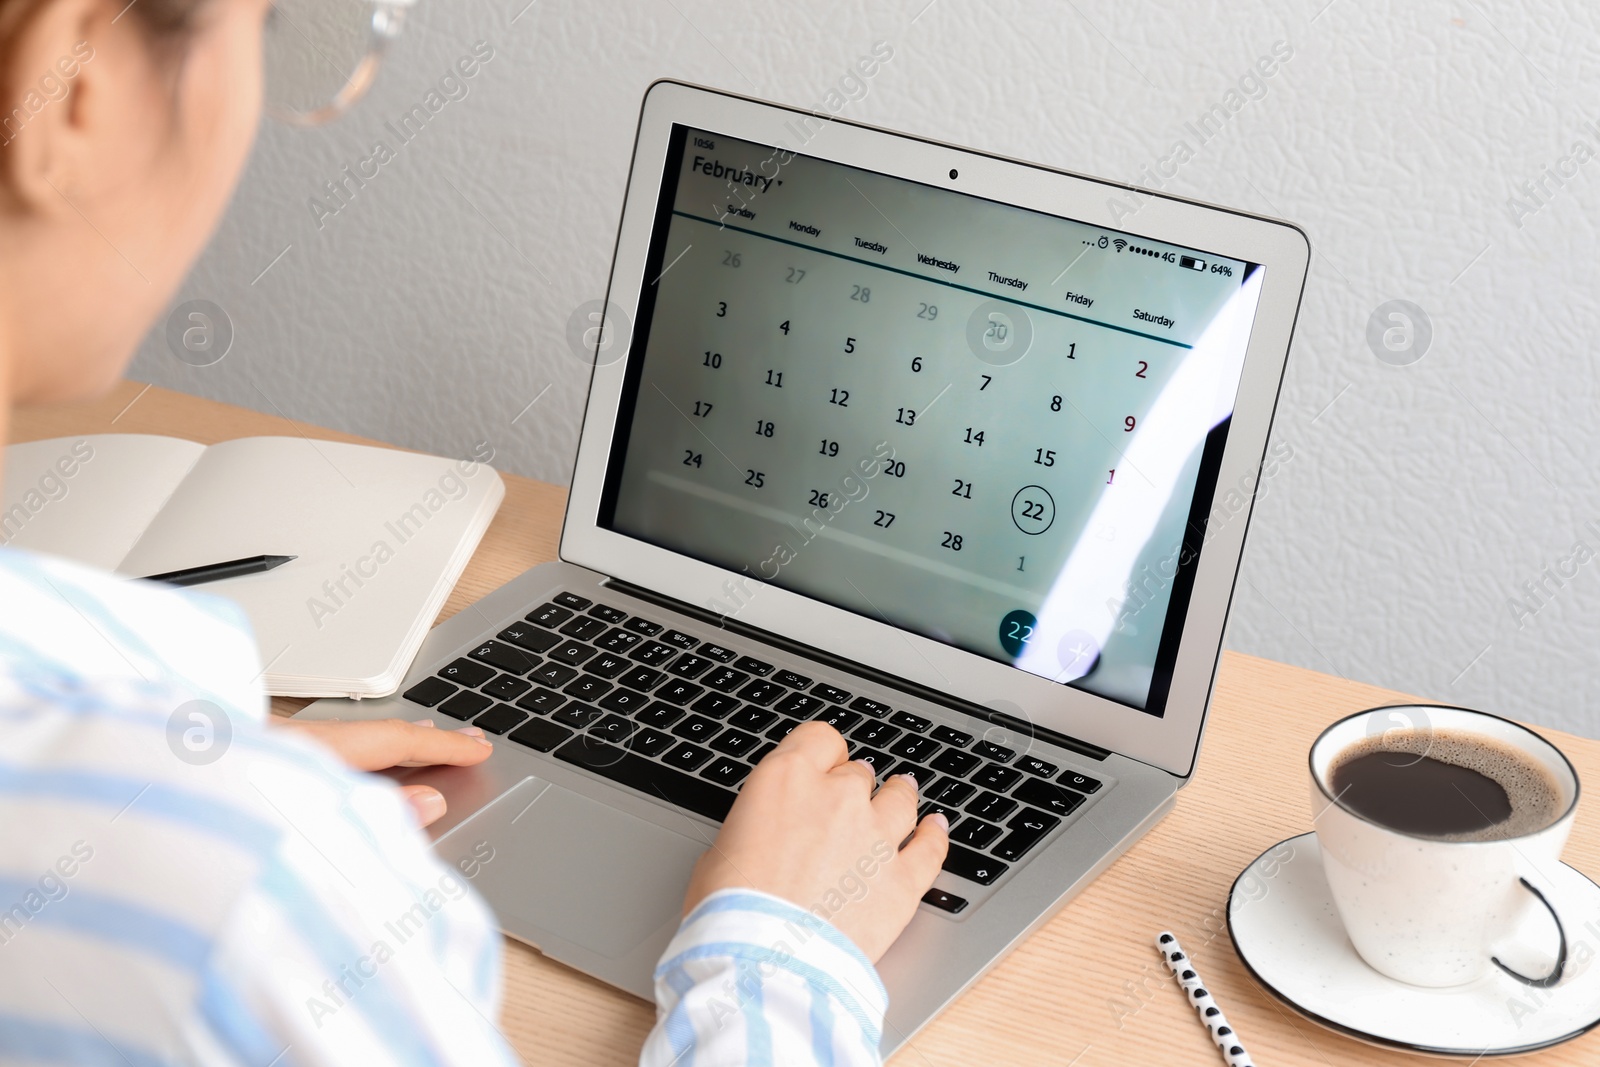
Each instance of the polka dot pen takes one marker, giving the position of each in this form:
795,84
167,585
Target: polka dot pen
1182,968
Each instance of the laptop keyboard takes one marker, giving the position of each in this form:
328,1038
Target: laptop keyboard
664,712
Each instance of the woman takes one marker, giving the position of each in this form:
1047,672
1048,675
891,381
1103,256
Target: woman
159,906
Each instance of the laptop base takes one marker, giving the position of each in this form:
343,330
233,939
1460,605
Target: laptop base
567,875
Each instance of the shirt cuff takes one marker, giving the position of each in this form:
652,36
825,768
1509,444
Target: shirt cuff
770,935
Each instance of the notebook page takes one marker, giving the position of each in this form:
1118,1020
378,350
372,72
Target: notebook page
89,498
374,531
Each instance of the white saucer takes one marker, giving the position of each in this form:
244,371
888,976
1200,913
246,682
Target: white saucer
1287,932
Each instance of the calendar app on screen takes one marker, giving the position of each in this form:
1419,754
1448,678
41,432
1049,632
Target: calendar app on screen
990,426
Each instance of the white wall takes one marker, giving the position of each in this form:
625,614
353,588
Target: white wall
433,308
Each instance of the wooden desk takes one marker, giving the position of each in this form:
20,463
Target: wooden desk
1089,990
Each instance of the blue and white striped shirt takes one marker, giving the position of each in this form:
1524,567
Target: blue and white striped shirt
181,884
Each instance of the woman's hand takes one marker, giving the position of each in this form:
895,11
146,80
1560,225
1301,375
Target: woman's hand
807,827
379,744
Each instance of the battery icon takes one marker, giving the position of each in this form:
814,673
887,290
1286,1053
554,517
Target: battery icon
1192,263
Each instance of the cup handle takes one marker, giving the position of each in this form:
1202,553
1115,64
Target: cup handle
1561,956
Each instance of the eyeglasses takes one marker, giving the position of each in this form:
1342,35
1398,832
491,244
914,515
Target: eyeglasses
321,56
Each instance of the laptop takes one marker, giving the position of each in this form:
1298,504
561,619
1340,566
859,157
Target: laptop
953,452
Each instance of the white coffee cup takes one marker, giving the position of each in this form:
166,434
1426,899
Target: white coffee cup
1432,912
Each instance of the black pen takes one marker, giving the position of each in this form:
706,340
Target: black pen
213,572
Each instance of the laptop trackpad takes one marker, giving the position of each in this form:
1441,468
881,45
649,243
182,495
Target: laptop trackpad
573,867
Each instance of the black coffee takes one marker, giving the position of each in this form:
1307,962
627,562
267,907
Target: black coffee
1445,784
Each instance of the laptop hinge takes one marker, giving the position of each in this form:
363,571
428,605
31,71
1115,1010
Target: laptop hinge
916,689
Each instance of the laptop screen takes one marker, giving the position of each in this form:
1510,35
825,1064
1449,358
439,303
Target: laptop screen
997,428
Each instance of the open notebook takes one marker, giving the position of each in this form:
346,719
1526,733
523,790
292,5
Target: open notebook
381,537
